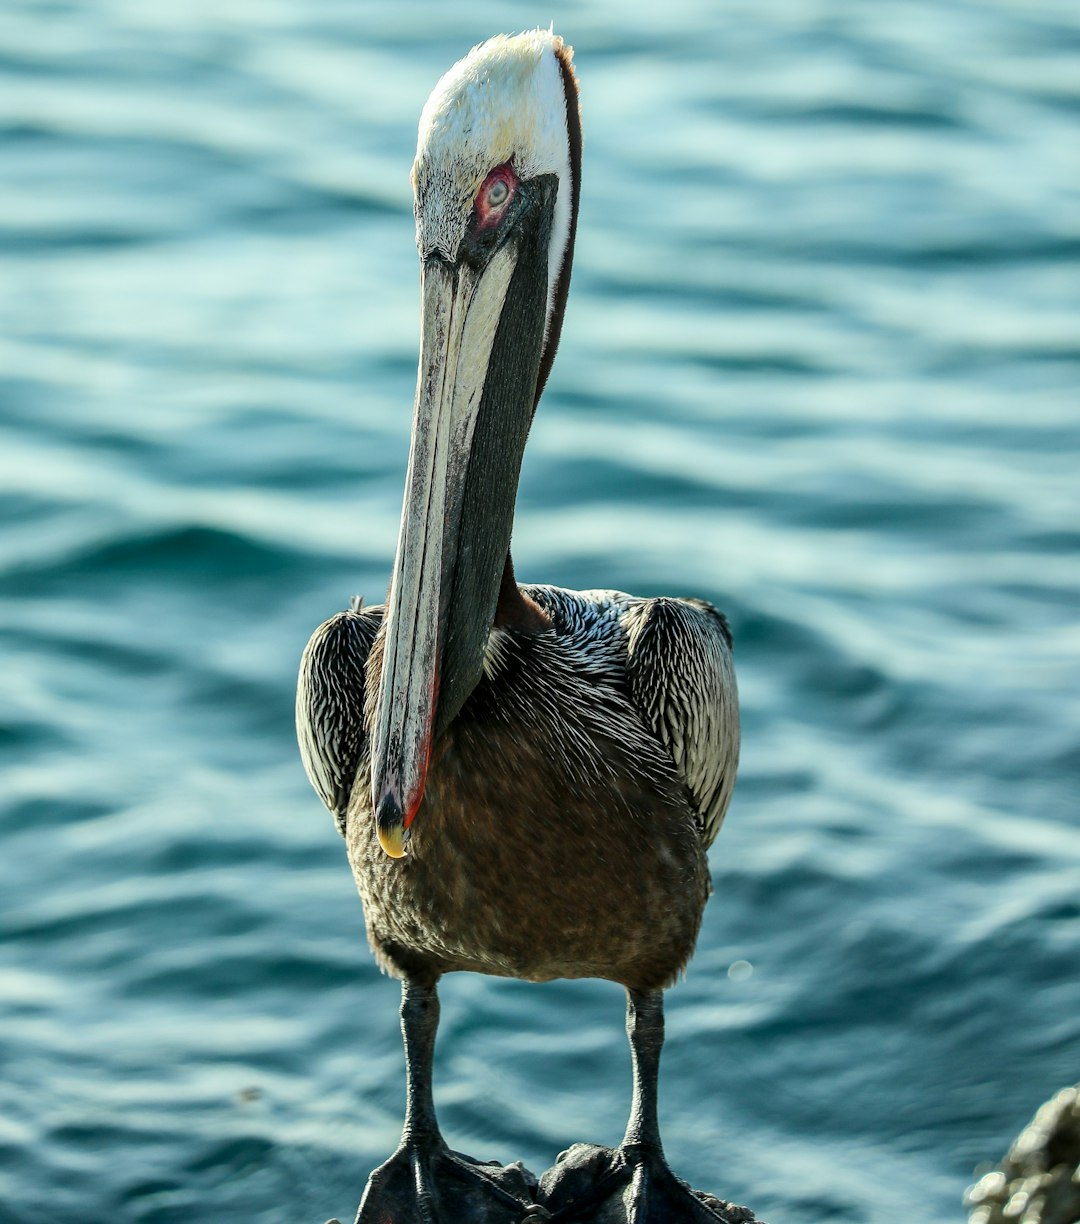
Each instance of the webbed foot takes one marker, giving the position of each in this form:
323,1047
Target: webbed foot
632,1184
425,1183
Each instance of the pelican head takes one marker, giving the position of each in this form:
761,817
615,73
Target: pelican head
496,184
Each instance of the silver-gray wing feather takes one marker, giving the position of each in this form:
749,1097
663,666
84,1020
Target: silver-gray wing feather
682,679
330,723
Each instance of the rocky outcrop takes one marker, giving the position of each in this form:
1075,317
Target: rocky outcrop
1039,1180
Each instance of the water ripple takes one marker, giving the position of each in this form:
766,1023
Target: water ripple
820,366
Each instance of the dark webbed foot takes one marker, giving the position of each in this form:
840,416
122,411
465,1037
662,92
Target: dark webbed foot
630,1185
633,1184
424,1184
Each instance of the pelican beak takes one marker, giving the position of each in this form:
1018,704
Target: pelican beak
461,310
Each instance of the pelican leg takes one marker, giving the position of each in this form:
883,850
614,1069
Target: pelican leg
424,1182
633,1184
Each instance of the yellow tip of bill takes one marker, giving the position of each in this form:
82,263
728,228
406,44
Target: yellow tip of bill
392,840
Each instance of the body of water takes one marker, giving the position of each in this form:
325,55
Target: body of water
821,366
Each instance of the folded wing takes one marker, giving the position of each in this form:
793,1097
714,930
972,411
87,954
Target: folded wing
681,677
330,722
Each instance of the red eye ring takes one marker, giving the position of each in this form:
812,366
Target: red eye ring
494,196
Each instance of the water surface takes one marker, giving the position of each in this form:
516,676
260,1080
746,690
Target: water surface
821,366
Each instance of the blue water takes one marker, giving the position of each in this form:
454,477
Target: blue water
821,365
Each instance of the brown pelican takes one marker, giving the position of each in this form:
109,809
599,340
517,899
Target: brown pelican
527,778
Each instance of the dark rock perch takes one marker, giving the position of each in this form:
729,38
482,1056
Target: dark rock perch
1039,1180
577,1191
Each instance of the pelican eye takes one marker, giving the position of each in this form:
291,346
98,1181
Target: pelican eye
494,196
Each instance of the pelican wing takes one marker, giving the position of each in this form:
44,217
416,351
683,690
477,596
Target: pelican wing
330,722
682,679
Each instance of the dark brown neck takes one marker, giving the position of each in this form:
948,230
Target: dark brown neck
562,283
515,610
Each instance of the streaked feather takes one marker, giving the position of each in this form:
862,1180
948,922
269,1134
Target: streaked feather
682,678
672,657
330,724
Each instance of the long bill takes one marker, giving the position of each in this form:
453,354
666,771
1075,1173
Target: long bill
460,323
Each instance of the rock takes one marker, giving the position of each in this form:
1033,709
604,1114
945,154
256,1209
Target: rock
1039,1180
